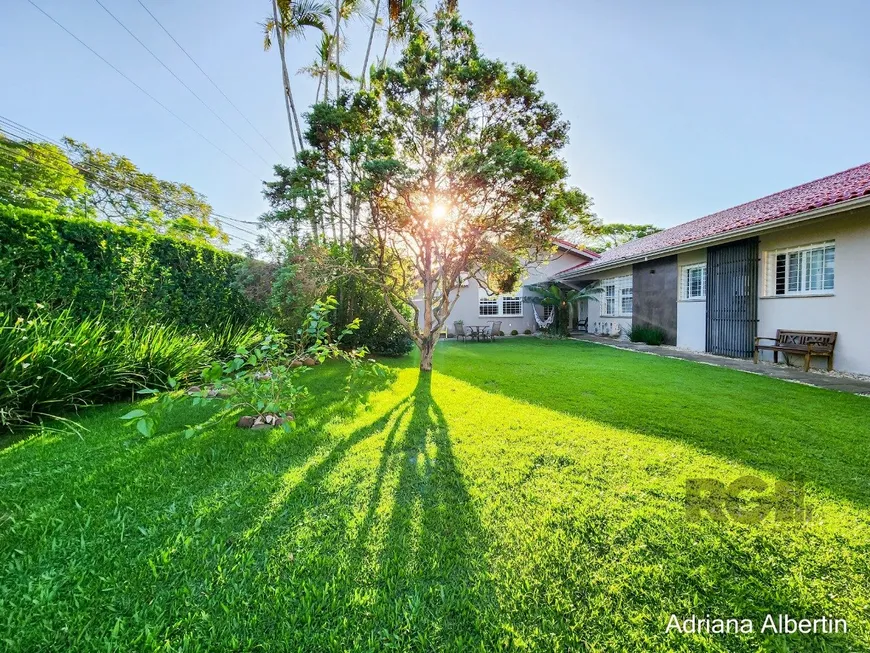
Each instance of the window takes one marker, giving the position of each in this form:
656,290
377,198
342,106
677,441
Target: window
511,306
499,305
618,296
489,306
807,270
610,299
694,282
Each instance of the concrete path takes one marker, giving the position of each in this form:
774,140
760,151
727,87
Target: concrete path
818,379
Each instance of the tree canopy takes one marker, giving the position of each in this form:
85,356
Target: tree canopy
84,181
40,176
446,166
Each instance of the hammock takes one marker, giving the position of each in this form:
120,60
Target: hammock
544,324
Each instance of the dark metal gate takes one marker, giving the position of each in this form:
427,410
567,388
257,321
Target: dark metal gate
732,298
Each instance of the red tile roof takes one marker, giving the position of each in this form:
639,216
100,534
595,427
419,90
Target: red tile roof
827,191
578,248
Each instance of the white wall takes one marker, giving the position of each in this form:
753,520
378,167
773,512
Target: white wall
691,314
467,306
607,325
847,309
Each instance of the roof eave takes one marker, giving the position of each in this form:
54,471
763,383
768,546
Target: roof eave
821,212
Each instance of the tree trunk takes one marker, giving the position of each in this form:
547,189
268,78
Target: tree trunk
427,349
362,79
337,97
284,74
295,118
337,49
386,47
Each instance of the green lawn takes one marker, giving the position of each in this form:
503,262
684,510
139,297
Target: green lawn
530,495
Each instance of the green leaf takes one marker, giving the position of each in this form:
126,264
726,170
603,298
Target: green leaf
145,426
133,414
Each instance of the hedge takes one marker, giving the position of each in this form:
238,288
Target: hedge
93,267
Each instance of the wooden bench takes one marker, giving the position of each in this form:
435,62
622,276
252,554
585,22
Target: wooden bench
804,343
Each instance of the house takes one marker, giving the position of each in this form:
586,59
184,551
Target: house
476,306
792,260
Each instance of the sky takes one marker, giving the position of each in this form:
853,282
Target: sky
677,109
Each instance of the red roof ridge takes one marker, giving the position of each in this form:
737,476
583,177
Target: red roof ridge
833,189
772,195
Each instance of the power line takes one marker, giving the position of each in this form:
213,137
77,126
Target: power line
28,134
180,81
8,157
206,75
154,99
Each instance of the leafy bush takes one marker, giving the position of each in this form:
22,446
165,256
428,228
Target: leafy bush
96,267
515,332
527,332
264,381
53,363
308,275
647,333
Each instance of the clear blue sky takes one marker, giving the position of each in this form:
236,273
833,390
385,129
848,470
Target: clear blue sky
678,109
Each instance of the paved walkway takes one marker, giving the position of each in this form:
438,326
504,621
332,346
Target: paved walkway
818,379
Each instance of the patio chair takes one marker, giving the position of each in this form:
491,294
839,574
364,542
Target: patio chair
495,329
459,330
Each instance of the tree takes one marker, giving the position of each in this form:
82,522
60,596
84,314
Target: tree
40,176
606,236
121,193
462,175
561,301
291,19
404,19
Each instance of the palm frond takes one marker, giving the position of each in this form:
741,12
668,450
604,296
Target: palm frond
268,26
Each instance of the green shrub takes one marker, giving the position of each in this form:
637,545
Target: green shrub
51,364
648,334
307,276
501,333
97,268
527,332
515,332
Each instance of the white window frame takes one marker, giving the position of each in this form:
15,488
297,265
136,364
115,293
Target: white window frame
799,272
515,301
686,283
623,288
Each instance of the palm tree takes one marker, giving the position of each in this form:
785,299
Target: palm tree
561,301
323,66
375,20
290,19
405,18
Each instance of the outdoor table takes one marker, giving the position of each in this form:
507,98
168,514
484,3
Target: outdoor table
477,330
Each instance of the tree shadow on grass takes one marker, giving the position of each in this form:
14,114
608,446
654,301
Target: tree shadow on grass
397,527
432,570
783,428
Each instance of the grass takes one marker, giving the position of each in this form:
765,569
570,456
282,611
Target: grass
528,495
